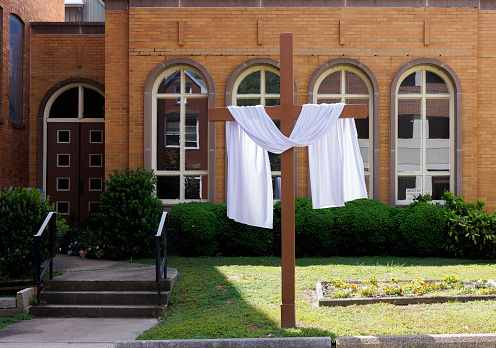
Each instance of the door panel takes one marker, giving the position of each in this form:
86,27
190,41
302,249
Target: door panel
91,170
63,167
75,167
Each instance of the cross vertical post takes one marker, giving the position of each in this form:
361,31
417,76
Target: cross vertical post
288,316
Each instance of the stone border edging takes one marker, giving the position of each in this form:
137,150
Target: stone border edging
289,342
397,300
424,341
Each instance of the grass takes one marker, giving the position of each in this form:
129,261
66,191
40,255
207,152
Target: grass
6,321
240,298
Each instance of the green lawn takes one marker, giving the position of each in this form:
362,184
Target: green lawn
240,298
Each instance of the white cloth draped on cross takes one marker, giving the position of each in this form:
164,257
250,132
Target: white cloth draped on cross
335,162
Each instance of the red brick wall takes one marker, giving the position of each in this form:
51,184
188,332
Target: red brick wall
15,139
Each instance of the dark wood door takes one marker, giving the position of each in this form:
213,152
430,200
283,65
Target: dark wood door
75,167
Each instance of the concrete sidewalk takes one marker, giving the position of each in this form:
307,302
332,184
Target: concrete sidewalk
82,332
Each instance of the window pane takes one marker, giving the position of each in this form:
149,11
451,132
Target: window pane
355,84
96,136
276,188
435,84
275,159
331,84
195,83
409,136
362,124
168,83
436,185
168,187
271,83
409,187
63,184
167,136
412,84
272,102
94,104
248,102
66,104
64,136
438,135
250,84
196,129
193,187
328,100
16,68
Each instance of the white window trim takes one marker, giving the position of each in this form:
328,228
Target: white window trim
156,96
423,96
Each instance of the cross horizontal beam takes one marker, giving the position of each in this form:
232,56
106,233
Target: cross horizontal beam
274,112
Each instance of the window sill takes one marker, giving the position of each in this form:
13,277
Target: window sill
17,125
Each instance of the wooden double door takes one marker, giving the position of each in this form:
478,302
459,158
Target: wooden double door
75,167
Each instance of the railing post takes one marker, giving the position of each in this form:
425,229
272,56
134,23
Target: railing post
158,271
53,225
166,238
37,268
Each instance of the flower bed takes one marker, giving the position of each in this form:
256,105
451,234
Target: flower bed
338,293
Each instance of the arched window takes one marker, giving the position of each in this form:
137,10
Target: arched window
16,69
347,84
77,101
180,134
424,133
259,85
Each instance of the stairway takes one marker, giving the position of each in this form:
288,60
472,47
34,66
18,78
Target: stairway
111,292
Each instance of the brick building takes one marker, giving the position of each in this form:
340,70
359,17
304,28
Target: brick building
142,82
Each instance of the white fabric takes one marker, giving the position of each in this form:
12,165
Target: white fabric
249,185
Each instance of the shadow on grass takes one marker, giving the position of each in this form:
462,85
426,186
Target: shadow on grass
208,303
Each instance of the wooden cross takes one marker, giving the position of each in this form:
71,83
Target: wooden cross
287,112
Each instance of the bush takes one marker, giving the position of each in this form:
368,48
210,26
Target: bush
192,227
22,213
471,230
130,214
421,229
363,227
236,239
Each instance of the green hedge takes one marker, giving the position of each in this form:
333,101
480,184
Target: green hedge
22,213
361,227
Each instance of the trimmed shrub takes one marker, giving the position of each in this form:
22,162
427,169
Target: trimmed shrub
22,213
129,215
236,239
192,227
421,229
363,227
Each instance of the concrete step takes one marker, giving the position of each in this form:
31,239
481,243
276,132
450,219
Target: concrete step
94,311
104,297
106,285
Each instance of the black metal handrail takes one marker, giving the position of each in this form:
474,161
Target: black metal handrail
161,267
38,276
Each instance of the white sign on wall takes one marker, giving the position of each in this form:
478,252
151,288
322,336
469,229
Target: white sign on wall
411,193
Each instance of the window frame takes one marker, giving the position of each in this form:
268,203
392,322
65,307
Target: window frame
423,96
454,81
183,113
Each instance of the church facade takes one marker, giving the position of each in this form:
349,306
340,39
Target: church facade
135,91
